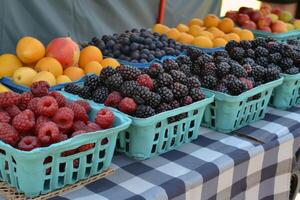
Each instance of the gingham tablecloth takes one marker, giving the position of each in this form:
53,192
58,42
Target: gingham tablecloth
252,163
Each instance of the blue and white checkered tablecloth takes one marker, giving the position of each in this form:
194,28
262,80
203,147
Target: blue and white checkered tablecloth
252,163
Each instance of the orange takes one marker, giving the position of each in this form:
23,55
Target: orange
30,50
62,79
226,25
109,62
195,30
219,42
195,21
74,73
246,35
173,33
93,67
211,21
232,36
236,30
185,38
88,54
49,64
216,32
160,28
203,42
8,64
44,76
207,34
182,28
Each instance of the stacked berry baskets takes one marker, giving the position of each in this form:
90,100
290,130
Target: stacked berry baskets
49,140
164,101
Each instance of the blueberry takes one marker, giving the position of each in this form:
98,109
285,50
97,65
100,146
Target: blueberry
135,54
148,40
152,46
117,47
151,57
162,52
144,56
110,43
177,52
125,49
134,46
110,55
157,54
105,38
105,52
122,57
134,30
159,44
125,41
163,38
143,29
165,44
143,61
127,31
141,46
146,46
117,53
145,51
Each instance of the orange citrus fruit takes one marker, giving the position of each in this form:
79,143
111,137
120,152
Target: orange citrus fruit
74,73
30,50
89,54
109,62
49,64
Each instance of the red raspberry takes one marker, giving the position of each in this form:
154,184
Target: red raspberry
24,100
24,121
39,89
40,122
78,133
13,111
64,131
9,99
78,125
60,99
33,105
247,82
8,134
91,127
63,137
113,99
84,104
47,106
28,143
64,118
49,134
79,111
145,80
105,118
127,105
4,117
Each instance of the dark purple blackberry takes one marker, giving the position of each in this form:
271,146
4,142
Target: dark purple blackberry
271,74
288,52
178,76
209,82
245,44
197,94
86,92
187,100
92,81
166,94
223,54
293,70
262,61
114,81
193,82
230,45
155,69
205,58
128,72
179,90
286,63
209,69
174,104
163,107
293,42
184,60
128,88
273,65
250,53
275,57
222,88
220,59
258,73
107,72
194,53
259,42
270,39
100,94
248,68
223,69
141,94
169,65
153,100
164,79
237,53
261,52
235,86
143,111
249,61
238,71
185,69
72,88
273,47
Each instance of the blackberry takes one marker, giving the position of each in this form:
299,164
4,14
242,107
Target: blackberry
261,52
72,88
187,100
184,60
271,74
258,73
179,90
223,69
153,99
194,53
249,61
270,65
196,94
163,107
230,45
128,72
205,58
263,61
155,69
193,82
286,63
293,42
178,76
250,53
222,88
174,104
238,71
237,53
248,68
185,69
143,111
293,70
209,69
164,79
128,88
209,82
287,51
273,47
141,94
166,94
100,94
114,81
235,86
92,81
245,44
107,72
169,65
220,59
223,54
269,39
259,42
86,92
275,57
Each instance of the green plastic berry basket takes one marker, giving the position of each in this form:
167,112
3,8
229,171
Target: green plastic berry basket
280,37
46,169
228,113
287,94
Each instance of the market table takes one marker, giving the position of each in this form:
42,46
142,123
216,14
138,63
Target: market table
252,163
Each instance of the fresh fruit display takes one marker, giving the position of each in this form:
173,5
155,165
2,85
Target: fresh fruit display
207,33
266,19
137,46
142,94
40,118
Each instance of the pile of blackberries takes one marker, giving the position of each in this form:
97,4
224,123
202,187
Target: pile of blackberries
143,93
137,46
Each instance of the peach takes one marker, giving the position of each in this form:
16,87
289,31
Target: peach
232,15
249,25
65,50
279,27
264,22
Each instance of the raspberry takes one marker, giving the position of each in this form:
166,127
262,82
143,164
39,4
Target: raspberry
186,100
24,121
79,111
91,127
8,134
47,106
40,122
104,118
39,89
63,137
4,117
78,125
33,105
64,131
145,80
79,132
127,105
64,118
28,143
24,100
9,99
84,104
13,111
60,99
248,83
113,99
49,134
